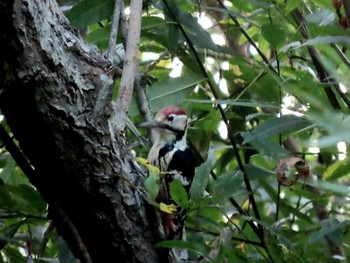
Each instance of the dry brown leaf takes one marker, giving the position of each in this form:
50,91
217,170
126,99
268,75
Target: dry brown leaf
284,165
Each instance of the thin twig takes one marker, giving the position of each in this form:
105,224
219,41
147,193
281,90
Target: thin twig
155,62
130,68
246,35
45,239
74,231
17,154
240,230
341,55
144,104
114,30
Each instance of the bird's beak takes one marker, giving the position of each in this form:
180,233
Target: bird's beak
149,124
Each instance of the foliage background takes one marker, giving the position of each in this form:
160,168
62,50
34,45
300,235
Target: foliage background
263,82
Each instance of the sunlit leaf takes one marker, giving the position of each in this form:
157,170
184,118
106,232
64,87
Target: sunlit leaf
170,209
149,166
337,170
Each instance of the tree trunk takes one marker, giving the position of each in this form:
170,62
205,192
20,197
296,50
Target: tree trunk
56,96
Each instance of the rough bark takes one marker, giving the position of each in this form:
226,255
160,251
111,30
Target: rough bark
55,93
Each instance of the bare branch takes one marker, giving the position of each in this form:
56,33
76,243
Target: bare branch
114,30
140,83
130,67
124,26
144,105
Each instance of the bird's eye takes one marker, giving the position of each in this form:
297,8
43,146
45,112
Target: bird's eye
170,118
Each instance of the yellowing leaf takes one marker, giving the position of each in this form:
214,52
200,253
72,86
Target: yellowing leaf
170,209
149,166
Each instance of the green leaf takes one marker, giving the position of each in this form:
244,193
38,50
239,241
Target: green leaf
172,91
330,228
152,184
322,17
270,148
239,102
87,12
339,189
179,194
180,244
227,185
22,198
198,35
322,40
274,126
64,253
291,5
240,15
274,33
201,177
172,32
151,22
337,170
255,172
11,174
171,13
7,233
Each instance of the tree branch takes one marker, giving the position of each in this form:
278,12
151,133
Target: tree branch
111,53
130,69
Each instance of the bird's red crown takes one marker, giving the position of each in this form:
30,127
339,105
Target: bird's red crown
171,110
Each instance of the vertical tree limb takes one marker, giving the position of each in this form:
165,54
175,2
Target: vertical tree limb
114,30
121,107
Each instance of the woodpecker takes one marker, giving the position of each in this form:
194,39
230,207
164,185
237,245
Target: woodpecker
172,155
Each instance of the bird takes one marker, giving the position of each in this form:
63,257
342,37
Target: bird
174,158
